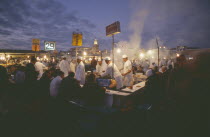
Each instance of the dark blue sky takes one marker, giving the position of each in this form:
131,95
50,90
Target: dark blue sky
174,22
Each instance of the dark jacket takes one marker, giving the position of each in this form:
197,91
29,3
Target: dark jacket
69,89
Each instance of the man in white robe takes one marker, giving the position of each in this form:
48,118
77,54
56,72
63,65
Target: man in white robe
73,66
80,71
116,73
39,67
99,68
64,66
127,72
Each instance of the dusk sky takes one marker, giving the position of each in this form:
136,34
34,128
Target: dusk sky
174,22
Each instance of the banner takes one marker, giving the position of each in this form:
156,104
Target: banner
113,29
35,45
76,39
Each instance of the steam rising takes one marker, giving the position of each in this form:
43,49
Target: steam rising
137,26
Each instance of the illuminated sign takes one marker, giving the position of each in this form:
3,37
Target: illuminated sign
35,45
113,29
77,39
49,45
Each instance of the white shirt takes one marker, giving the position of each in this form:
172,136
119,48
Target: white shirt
127,67
128,79
64,66
54,86
80,73
39,68
109,71
72,67
117,75
99,69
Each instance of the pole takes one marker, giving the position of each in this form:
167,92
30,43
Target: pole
76,52
158,52
112,56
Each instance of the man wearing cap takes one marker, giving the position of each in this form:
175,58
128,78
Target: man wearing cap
117,76
73,66
64,66
99,68
127,72
80,71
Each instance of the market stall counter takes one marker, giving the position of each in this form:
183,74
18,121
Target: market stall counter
115,98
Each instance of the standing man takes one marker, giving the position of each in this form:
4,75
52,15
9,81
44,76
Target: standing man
99,68
39,67
93,63
73,66
117,75
80,71
64,66
127,72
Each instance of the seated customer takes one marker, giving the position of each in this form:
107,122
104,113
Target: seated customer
44,83
70,88
93,94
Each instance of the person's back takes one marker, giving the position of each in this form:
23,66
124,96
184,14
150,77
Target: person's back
39,68
152,89
31,74
70,88
92,93
55,84
20,76
45,83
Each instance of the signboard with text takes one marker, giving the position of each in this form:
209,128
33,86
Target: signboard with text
113,29
76,39
35,44
49,45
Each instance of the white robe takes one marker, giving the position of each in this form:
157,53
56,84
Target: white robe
80,73
72,67
64,66
54,86
128,79
117,75
39,68
99,69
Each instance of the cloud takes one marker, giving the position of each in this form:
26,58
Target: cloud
48,20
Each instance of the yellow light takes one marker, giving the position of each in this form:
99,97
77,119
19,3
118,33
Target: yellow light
152,57
27,56
45,56
84,53
150,52
177,54
8,56
141,55
90,59
118,50
2,58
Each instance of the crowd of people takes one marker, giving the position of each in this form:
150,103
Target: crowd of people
178,93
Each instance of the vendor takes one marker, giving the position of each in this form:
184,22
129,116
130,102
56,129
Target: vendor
99,67
127,72
80,71
117,76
